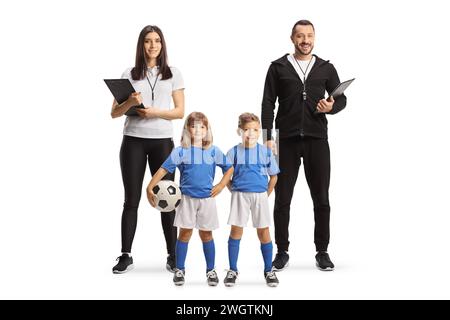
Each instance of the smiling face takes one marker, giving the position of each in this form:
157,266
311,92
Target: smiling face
198,131
250,133
152,46
303,39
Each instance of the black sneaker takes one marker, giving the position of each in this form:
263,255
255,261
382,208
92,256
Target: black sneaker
171,263
271,278
230,279
323,261
125,264
281,261
178,277
212,278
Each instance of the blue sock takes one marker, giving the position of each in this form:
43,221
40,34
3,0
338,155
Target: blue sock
210,254
233,252
266,249
181,252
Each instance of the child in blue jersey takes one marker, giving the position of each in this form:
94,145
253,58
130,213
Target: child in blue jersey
196,159
254,178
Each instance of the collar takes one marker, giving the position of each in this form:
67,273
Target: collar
153,71
285,62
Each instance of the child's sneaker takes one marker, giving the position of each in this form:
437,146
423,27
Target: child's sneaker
125,264
178,277
211,277
271,278
230,279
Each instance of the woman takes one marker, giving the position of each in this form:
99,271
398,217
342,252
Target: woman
148,136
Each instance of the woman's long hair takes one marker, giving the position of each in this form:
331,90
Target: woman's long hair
192,118
140,68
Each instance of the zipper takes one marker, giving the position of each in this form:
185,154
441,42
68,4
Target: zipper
302,133
304,95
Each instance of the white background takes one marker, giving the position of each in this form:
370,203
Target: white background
61,188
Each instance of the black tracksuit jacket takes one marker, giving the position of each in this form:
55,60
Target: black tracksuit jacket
296,116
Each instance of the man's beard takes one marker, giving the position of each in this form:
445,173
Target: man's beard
301,50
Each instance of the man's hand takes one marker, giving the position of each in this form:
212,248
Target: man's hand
325,106
147,112
270,144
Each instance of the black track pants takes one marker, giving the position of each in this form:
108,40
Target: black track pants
316,161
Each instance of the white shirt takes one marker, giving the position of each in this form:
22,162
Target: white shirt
303,64
156,128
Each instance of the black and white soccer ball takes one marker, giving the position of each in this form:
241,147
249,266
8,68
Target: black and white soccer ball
168,195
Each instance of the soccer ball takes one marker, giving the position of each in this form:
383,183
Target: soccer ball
168,195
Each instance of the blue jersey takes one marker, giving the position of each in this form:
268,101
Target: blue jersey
252,166
197,168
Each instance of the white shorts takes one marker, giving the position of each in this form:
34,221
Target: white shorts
199,213
242,203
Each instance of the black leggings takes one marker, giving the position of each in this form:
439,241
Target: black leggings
134,155
316,159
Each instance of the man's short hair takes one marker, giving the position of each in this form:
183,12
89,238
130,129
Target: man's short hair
302,23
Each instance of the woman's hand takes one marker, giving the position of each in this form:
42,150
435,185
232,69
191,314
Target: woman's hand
217,189
135,99
148,112
151,196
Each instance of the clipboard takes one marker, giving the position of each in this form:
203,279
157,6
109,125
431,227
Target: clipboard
121,90
341,88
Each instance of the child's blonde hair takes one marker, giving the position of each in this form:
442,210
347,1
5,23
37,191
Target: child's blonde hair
247,117
196,117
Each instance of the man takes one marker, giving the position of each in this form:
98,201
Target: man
299,82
